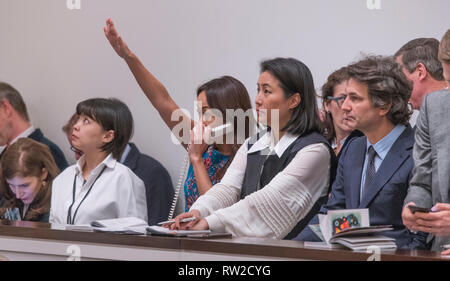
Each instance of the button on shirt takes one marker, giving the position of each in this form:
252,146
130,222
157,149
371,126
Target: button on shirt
117,193
382,148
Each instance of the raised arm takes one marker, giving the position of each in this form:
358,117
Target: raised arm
152,88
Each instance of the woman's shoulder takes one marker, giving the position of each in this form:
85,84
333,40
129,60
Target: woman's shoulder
67,172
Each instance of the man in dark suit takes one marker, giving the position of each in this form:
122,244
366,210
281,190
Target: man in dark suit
15,124
158,185
374,170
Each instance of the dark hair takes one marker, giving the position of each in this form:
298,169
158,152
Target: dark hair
111,114
387,85
444,48
333,80
15,99
27,158
295,77
422,50
224,93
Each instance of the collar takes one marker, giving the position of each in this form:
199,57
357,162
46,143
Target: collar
383,146
125,153
24,134
334,142
109,162
266,141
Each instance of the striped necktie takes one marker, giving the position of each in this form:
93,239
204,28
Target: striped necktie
370,171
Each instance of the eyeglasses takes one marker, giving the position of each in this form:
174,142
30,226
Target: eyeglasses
339,100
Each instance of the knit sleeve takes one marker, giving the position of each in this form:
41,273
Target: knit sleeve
273,211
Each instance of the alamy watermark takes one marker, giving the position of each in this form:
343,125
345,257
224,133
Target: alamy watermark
242,124
74,252
374,4
73,4
376,253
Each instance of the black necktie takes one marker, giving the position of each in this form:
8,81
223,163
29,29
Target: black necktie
370,171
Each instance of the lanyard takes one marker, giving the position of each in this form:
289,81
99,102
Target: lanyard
71,220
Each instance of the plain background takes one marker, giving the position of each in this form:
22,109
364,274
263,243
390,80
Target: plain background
57,57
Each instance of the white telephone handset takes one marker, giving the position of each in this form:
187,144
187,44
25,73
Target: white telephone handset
217,132
213,136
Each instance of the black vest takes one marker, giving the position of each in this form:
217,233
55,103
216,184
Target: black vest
262,168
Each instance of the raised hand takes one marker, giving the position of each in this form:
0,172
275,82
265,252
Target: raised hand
115,40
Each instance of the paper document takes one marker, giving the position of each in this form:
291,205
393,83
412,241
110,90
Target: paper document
163,230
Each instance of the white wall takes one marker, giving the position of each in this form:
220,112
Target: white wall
57,57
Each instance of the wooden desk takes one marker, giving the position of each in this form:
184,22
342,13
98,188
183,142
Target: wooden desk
42,241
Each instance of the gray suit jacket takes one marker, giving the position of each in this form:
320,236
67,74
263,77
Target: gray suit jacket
430,183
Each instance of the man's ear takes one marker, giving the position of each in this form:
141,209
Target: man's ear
294,100
6,108
422,71
109,136
384,110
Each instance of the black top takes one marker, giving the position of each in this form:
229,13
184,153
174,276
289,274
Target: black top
262,168
158,185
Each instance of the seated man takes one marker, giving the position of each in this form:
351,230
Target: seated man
374,170
15,124
430,184
158,185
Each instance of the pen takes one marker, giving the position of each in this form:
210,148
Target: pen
172,221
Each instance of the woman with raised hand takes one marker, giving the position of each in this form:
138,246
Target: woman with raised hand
28,170
210,161
279,178
98,186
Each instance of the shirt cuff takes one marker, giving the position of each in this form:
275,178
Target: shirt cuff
215,224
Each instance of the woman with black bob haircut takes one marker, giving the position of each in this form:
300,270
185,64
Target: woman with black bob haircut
280,177
98,186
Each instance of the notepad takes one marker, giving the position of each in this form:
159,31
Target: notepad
154,229
129,225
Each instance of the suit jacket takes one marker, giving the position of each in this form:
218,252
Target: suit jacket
353,134
158,185
384,197
430,183
58,155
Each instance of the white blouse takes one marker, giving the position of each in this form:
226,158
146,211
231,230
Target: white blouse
116,193
273,211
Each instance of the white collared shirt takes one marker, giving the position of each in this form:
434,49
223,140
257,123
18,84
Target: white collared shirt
274,210
117,193
24,134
